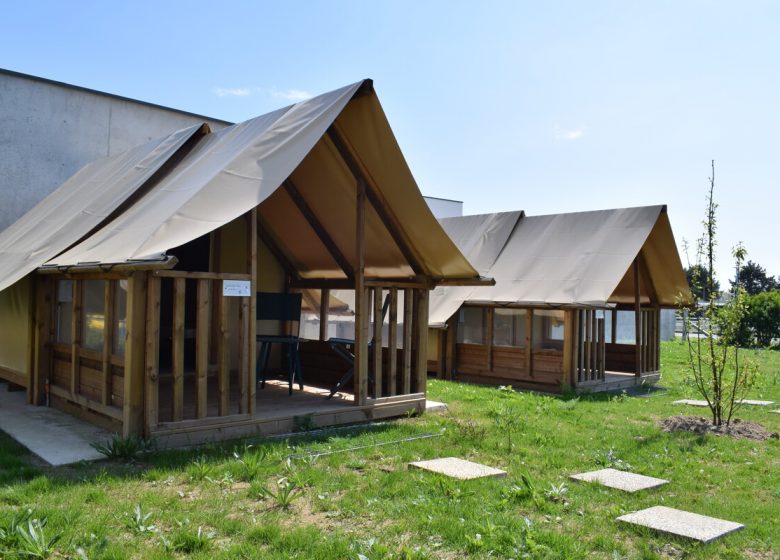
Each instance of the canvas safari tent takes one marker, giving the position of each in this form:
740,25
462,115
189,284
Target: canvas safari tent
128,296
571,293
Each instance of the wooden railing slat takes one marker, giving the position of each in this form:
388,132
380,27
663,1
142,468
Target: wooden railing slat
202,347
179,287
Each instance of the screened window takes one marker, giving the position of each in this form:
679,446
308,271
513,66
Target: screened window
509,327
471,325
120,318
65,311
547,329
93,318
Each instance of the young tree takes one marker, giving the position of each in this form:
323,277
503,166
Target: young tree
718,372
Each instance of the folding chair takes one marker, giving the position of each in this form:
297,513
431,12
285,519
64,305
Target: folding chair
280,307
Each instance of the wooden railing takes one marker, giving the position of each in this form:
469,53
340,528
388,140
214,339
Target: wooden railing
589,346
199,354
397,370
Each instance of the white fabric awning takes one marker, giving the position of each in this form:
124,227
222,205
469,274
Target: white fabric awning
577,259
81,204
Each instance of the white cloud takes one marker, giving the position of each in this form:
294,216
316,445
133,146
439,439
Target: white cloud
232,92
575,134
292,94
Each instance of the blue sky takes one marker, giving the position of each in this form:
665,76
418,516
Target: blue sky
543,106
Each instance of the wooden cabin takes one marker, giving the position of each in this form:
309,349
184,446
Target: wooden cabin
129,295
576,302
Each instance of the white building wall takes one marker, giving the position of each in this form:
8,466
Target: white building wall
444,208
48,131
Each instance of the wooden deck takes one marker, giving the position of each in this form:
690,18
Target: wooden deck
277,412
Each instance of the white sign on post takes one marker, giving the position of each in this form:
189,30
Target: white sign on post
236,288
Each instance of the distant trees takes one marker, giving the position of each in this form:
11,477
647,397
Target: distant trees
753,278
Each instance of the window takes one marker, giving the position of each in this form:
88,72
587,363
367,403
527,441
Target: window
93,316
120,318
626,328
509,327
547,329
471,325
64,311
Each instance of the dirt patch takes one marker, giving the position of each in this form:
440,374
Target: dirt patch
738,429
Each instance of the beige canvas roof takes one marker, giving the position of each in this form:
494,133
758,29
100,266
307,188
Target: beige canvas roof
577,259
82,203
275,161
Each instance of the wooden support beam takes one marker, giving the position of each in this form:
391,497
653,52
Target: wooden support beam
361,303
109,297
529,341
637,320
392,344
377,201
568,346
202,323
407,353
252,265
601,349
75,337
452,340
223,354
594,349
273,246
177,349
588,337
488,315
152,357
44,333
324,313
135,346
421,321
377,342
319,229
613,314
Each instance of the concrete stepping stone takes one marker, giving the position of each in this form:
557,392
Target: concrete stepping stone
776,411
622,480
681,523
694,402
691,402
435,406
457,468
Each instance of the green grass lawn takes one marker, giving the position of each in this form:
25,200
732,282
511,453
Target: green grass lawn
227,501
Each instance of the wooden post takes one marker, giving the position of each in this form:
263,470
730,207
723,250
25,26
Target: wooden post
109,294
152,358
594,349
488,316
586,343
43,337
223,354
601,349
529,340
452,340
324,313
421,320
243,355
377,344
407,354
568,347
392,344
135,346
252,265
614,313
361,303
75,338
177,350
203,315
637,320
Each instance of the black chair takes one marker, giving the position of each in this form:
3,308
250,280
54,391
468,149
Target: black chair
280,307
